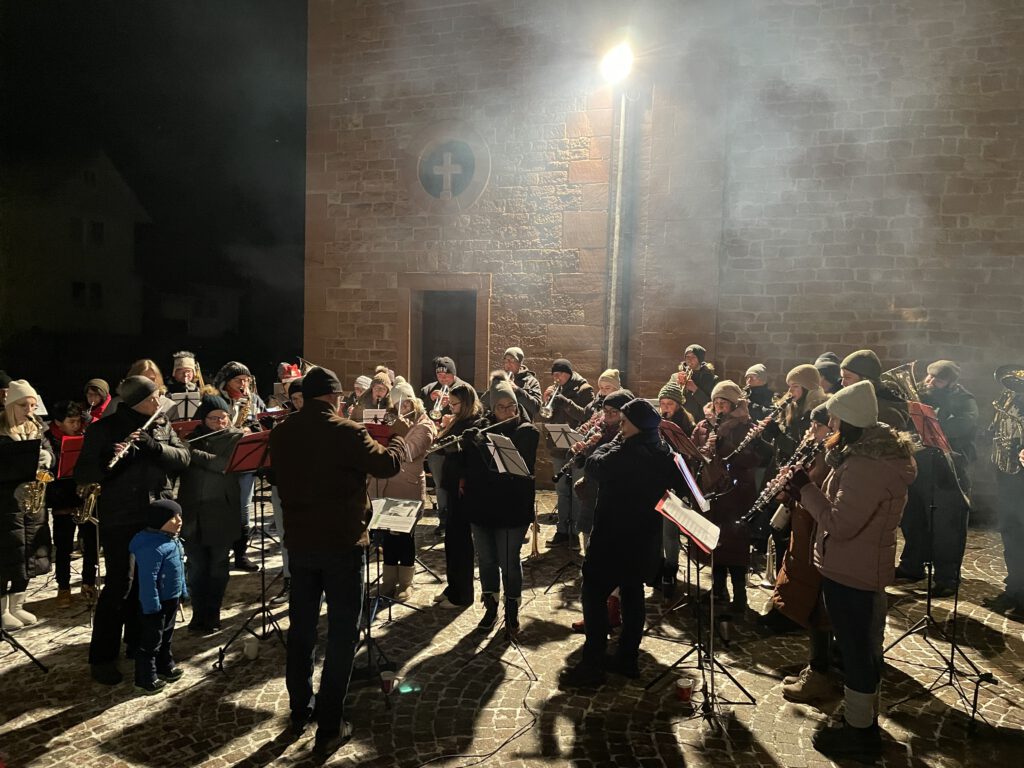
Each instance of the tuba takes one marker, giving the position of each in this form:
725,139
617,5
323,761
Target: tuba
901,378
1008,423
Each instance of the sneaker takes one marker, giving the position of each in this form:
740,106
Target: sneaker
842,741
106,674
150,687
284,594
558,540
327,743
812,686
170,675
440,597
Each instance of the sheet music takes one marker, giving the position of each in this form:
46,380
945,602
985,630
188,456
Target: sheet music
702,531
373,415
691,483
395,515
183,405
506,457
563,436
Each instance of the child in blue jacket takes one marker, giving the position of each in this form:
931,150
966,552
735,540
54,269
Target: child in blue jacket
161,574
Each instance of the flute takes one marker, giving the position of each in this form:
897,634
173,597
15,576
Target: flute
129,444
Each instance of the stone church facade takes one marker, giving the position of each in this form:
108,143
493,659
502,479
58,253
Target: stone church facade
775,179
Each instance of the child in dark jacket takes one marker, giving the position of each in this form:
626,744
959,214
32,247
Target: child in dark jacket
161,574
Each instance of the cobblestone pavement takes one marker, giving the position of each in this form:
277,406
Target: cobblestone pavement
468,698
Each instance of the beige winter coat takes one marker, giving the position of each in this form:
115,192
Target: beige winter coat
410,482
859,507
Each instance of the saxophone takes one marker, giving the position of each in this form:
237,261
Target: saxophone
89,494
31,496
244,408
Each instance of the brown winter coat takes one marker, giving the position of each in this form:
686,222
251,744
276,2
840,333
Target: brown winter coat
411,481
320,462
797,592
859,508
726,510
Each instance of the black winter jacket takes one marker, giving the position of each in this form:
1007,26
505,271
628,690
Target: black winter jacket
497,500
209,498
143,476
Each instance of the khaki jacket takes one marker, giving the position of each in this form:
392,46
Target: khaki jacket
859,508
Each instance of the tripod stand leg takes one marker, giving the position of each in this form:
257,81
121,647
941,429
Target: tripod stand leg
426,568
6,637
560,572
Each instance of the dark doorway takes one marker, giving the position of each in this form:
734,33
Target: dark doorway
446,323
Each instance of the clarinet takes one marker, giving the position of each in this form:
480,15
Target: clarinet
590,439
760,426
804,455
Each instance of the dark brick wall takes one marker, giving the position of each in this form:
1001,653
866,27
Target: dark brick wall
807,176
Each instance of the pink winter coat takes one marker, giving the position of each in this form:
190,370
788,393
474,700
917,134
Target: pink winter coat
859,507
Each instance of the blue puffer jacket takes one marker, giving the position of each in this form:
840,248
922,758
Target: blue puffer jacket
158,556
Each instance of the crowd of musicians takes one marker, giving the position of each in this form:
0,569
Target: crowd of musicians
820,475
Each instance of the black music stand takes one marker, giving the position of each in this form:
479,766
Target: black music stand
19,462
373,668
252,454
704,535
949,676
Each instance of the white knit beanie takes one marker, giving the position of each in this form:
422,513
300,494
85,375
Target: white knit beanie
855,404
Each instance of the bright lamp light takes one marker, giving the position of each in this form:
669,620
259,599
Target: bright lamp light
617,63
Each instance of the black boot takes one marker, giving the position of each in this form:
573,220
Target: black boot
512,618
242,561
490,612
845,741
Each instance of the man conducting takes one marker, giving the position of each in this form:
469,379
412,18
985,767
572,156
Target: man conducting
321,461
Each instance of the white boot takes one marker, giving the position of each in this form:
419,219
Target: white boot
9,620
18,610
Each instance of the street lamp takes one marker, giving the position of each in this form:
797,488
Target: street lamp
615,67
617,63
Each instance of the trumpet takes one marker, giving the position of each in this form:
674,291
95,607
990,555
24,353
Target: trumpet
31,496
687,371
546,411
439,404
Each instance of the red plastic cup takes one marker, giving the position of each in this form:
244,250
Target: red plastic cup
684,689
387,681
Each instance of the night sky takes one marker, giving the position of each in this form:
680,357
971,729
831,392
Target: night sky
201,106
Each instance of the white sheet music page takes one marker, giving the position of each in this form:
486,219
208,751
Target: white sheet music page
702,531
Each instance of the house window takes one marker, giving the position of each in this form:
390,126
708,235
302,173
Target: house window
96,233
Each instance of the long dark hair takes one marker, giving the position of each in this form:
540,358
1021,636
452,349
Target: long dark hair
849,434
471,407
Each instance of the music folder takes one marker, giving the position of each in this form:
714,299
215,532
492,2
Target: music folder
251,453
563,436
70,450
395,515
698,528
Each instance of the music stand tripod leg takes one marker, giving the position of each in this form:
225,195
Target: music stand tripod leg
7,637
